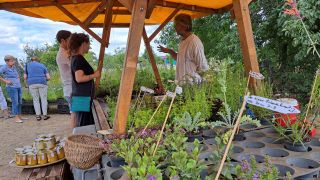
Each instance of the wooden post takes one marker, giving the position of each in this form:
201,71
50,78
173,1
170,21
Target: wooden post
105,37
241,12
130,66
152,60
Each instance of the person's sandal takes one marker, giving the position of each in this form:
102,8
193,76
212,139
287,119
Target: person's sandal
19,121
46,117
38,118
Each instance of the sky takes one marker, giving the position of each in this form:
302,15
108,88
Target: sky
16,31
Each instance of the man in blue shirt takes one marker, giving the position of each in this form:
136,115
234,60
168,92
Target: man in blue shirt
10,76
36,76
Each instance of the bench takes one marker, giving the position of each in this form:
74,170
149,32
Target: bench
57,171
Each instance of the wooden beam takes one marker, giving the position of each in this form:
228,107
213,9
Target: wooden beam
152,60
127,3
242,14
66,12
130,66
45,3
119,12
95,12
164,3
105,37
100,115
161,3
117,25
151,6
165,22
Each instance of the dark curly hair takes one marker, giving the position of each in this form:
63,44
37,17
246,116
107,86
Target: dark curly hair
62,34
76,41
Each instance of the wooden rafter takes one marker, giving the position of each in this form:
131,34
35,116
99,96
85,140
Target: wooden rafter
151,5
130,66
152,60
161,3
105,37
127,3
95,12
116,25
165,22
119,12
66,12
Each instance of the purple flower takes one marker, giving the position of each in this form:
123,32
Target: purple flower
151,177
256,176
244,165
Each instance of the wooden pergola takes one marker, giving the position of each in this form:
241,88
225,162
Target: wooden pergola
135,14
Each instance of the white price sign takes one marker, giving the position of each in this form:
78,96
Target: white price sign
256,75
148,90
273,105
178,90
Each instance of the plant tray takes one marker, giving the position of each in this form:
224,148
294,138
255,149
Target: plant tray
259,143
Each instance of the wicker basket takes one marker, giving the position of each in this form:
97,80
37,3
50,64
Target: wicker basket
83,151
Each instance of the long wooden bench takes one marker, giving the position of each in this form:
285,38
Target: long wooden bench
100,116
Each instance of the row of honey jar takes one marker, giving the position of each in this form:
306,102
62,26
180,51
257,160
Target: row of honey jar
43,142
32,158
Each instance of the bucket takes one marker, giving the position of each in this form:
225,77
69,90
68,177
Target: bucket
283,118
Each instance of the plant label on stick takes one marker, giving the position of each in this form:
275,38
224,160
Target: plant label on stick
179,90
170,94
148,90
271,104
256,75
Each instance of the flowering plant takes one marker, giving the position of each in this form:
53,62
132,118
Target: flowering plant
249,171
293,11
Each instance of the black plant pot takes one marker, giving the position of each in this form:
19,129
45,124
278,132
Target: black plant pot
239,137
208,133
297,147
193,137
117,161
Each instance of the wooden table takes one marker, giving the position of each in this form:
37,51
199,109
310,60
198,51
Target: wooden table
59,171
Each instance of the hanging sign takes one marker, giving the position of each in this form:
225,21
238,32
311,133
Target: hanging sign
148,90
278,106
256,75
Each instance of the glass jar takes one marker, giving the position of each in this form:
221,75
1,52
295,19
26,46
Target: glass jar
49,143
21,159
53,138
32,159
60,152
39,144
42,157
52,156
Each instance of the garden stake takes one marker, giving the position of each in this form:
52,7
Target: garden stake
312,91
231,137
165,96
135,104
164,123
141,101
247,88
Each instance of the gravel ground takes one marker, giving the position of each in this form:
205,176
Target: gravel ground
13,135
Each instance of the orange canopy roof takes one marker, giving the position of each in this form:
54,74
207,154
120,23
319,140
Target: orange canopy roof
82,9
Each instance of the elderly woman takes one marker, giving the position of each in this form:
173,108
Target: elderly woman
10,76
82,78
36,75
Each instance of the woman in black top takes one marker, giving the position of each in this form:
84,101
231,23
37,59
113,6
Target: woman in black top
82,74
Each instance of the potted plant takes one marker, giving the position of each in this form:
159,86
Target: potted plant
298,135
191,125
